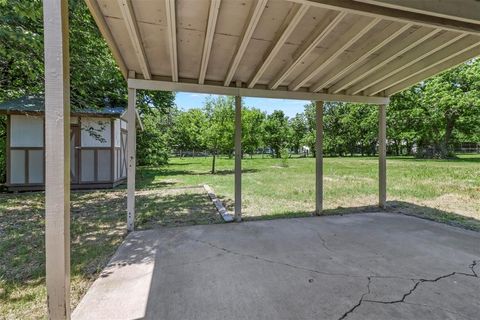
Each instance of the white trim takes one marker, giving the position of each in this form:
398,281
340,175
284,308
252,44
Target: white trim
210,32
172,37
131,162
253,20
134,33
290,24
254,92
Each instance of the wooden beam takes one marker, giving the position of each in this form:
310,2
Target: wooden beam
254,17
322,30
209,33
131,153
57,158
291,22
372,10
432,60
463,10
348,38
389,54
408,59
134,33
434,70
97,15
319,158
379,40
382,156
261,92
172,37
238,158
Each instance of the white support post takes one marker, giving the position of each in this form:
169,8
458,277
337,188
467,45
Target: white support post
131,150
57,158
238,158
382,156
319,159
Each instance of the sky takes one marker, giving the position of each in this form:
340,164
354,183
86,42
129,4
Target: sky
187,101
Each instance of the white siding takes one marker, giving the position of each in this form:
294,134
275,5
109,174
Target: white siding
26,131
116,128
35,166
17,166
88,166
96,132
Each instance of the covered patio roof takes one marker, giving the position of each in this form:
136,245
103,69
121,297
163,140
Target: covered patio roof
322,50
355,51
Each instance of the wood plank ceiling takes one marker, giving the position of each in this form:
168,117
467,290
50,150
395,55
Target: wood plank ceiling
298,45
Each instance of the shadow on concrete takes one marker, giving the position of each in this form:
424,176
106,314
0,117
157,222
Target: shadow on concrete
401,207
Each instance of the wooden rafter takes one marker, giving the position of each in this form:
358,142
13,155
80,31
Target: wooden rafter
434,70
349,37
451,9
354,60
253,20
385,57
135,37
172,37
207,44
410,58
372,10
107,34
455,49
290,24
322,30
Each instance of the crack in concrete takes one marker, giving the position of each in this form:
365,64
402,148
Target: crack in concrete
324,242
359,301
472,267
362,299
411,291
250,256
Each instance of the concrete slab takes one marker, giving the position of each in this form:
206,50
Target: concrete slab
363,266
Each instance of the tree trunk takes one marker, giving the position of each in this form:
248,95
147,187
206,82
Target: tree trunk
445,145
213,162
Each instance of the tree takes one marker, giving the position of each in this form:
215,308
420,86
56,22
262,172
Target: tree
252,129
218,132
299,129
153,143
188,130
452,107
277,132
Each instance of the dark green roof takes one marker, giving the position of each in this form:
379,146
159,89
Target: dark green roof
36,104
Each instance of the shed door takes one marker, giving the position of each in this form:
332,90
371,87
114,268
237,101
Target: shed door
74,153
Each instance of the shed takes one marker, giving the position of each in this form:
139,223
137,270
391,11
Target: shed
98,145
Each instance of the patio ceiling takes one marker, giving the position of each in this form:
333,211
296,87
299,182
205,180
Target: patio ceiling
342,50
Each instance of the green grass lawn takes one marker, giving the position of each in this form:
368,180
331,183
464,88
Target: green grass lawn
271,189
447,191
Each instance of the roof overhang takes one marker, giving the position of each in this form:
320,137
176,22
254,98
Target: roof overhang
331,50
